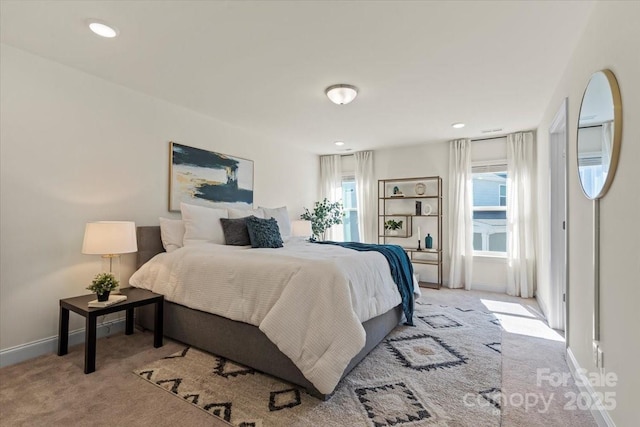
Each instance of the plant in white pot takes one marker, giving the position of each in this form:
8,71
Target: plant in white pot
103,284
324,215
392,226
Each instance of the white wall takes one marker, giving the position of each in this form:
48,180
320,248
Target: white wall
427,159
431,159
611,40
75,148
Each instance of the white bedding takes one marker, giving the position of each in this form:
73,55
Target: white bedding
308,299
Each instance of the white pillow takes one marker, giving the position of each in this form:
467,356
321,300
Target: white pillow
282,217
171,233
242,213
202,224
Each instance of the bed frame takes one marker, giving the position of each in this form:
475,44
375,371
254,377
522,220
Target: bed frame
241,342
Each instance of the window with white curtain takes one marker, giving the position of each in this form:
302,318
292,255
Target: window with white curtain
490,208
350,204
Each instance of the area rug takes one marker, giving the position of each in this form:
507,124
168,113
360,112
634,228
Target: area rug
445,371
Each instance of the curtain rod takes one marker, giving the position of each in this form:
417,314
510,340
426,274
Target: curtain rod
589,127
489,138
501,136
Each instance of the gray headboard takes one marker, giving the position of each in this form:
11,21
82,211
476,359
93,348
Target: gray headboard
149,243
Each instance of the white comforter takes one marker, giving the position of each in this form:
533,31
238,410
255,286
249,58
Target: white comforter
309,299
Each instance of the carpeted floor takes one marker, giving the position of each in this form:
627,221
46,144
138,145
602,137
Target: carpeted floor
52,390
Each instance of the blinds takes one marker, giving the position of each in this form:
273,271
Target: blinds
489,168
590,161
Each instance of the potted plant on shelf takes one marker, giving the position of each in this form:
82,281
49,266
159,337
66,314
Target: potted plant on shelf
393,226
324,215
103,284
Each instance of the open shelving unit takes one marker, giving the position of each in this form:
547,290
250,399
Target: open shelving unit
417,202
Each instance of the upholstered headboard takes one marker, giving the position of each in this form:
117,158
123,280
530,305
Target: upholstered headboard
149,243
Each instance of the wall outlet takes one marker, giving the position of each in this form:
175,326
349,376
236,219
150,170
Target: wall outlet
600,361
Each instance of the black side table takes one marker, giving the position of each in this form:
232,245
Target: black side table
135,298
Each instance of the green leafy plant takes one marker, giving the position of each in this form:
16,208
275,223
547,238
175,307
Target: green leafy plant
392,224
103,282
324,215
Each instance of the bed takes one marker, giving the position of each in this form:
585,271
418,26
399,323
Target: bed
243,342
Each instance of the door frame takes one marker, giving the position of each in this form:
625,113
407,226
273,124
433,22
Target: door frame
558,167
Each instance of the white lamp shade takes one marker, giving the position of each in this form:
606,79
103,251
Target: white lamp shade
341,94
301,228
110,238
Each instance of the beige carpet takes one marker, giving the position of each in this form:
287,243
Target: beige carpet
53,391
444,371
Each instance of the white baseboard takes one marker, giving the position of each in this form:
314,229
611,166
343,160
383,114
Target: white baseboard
495,288
20,353
601,415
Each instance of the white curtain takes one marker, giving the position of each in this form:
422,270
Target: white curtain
460,214
521,258
365,195
331,188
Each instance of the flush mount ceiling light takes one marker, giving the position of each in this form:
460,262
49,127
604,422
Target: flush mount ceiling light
102,29
457,125
339,143
341,94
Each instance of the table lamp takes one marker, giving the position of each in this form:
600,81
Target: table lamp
110,239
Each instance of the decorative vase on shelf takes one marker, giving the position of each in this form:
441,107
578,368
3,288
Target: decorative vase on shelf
104,296
393,232
428,242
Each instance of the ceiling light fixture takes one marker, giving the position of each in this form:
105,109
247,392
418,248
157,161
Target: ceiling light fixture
102,29
339,143
341,94
457,125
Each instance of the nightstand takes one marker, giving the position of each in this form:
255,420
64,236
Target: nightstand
135,298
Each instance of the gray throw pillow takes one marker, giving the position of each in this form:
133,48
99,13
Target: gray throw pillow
264,233
235,231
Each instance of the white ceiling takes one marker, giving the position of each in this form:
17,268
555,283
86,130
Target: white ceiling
264,65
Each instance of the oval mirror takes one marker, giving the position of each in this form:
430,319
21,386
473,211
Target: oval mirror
599,134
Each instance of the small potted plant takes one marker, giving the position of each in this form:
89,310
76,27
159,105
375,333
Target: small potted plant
393,226
323,216
103,284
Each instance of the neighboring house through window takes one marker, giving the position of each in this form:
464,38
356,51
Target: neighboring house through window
490,208
503,194
350,204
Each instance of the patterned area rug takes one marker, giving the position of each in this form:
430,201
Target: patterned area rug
445,371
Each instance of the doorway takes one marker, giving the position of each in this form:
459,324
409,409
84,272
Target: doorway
558,143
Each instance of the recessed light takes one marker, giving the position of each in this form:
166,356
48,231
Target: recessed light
457,125
339,143
102,29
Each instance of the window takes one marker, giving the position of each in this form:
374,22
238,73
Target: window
350,203
490,208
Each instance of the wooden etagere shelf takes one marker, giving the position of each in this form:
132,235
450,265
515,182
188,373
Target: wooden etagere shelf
417,202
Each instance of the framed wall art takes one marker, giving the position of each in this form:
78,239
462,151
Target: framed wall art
207,178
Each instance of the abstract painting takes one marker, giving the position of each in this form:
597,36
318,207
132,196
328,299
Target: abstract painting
207,178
